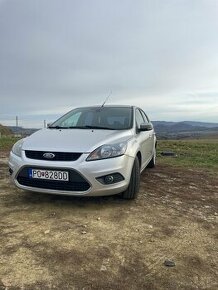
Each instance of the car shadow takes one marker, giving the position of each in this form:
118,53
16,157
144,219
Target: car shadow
64,200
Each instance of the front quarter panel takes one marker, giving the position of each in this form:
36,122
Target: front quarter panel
133,147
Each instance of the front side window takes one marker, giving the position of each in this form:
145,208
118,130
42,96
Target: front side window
139,118
146,120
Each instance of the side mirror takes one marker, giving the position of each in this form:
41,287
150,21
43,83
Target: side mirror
145,127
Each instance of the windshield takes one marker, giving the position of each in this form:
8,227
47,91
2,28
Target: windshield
108,118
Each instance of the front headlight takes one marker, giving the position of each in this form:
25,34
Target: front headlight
17,148
108,151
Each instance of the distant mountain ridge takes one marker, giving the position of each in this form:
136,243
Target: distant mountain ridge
202,124
22,131
163,129
191,123
184,129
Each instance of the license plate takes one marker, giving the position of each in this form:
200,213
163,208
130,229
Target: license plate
49,174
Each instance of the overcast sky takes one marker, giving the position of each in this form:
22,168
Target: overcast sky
59,54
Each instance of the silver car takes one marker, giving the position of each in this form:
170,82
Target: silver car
90,151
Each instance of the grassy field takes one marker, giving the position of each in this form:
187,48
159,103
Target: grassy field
6,143
199,154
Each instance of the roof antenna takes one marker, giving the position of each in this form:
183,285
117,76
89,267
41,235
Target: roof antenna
106,99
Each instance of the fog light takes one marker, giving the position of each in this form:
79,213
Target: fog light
109,179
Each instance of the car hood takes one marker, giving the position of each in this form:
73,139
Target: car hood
73,140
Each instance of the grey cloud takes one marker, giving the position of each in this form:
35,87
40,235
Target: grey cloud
59,54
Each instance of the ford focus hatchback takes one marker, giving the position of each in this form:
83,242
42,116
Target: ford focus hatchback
90,151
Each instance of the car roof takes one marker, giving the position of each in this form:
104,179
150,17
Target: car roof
108,106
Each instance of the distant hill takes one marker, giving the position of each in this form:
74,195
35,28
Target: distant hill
5,131
184,129
163,129
22,131
201,124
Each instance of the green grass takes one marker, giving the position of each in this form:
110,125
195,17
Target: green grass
200,154
6,143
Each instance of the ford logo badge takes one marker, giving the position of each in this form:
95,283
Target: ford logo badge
49,155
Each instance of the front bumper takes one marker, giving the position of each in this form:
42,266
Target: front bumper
88,170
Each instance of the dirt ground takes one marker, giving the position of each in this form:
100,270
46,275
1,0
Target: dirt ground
56,242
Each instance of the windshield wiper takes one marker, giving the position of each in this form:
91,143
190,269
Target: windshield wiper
81,127
91,127
57,127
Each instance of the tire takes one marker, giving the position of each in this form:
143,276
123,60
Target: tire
152,163
132,191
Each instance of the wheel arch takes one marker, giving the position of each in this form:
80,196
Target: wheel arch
139,156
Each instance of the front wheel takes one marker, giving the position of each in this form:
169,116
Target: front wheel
152,163
132,191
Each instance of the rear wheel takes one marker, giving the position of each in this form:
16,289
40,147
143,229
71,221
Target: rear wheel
132,191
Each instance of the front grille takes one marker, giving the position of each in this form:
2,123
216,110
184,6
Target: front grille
76,181
58,156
